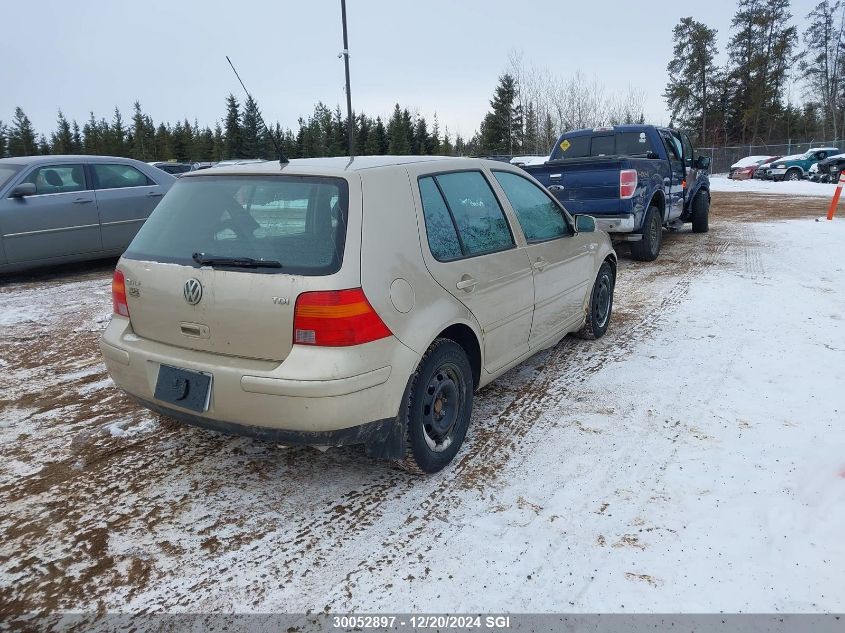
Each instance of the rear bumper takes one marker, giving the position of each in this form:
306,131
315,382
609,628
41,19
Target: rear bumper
322,391
624,223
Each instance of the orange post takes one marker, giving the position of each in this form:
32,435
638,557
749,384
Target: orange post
836,195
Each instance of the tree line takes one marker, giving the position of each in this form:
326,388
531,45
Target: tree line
240,134
747,99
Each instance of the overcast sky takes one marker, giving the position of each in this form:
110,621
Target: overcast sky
432,55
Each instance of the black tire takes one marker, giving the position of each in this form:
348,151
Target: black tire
648,248
701,212
436,409
792,174
600,306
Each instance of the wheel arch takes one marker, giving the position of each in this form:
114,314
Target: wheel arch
465,336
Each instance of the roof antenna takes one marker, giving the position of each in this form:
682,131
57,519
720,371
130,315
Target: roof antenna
282,158
345,54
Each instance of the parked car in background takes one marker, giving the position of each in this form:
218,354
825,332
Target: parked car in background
173,168
334,301
745,168
761,172
634,179
795,167
57,209
828,170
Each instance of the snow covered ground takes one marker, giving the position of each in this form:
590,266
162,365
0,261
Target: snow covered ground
720,182
691,460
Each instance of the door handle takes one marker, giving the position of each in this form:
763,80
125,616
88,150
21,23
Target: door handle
540,264
555,187
83,201
154,194
466,283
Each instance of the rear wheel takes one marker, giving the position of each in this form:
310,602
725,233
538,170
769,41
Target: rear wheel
701,213
793,174
601,305
648,248
437,407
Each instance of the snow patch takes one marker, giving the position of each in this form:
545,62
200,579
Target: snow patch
722,183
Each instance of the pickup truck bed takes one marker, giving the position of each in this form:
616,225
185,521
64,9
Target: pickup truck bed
634,179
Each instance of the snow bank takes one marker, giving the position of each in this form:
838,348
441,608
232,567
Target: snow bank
720,182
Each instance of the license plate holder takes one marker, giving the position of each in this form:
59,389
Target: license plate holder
184,388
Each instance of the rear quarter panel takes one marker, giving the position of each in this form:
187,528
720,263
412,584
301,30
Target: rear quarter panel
393,272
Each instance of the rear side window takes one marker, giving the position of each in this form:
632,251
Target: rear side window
118,176
474,211
540,218
619,144
57,179
299,221
442,236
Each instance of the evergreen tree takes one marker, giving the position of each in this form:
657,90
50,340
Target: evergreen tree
163,142
692,74
434,139
62,138
233,147
501,129
76,143
21,139
398,133
338,136
252,131
376,139
420,140
143,134
760,53
532,130
218,147
92,137
3,141
43,146
117,145
446,148
821,66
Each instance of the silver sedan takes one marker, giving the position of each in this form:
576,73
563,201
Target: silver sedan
59,209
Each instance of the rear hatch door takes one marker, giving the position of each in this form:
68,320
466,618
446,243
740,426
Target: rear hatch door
222,259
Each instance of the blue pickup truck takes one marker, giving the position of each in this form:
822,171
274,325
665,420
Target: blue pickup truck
633,179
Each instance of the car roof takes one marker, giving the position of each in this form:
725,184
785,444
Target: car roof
66,158
326,166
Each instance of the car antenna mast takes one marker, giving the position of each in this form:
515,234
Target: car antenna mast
282,158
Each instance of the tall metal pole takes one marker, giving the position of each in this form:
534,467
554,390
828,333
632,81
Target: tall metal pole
351,125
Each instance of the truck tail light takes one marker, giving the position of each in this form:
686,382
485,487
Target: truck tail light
336,318
627,183
118,294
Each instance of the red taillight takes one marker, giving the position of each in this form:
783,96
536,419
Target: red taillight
627,183
118,294
336,318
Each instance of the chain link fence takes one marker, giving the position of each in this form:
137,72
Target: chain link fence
721,158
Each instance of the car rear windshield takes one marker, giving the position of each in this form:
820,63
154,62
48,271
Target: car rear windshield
298,221
603,144
6,173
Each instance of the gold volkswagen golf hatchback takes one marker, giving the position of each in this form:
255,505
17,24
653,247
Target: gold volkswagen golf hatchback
332,301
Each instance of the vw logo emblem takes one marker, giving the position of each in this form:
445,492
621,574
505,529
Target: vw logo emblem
192,291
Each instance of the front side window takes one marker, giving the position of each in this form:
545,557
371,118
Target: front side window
688,153
298,221
474,210
57,179
541,219
116,176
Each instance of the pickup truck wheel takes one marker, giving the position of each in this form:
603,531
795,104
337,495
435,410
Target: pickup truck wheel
600,306
648,248
436,408
793,174
700,213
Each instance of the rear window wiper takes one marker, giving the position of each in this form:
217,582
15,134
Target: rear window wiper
239,262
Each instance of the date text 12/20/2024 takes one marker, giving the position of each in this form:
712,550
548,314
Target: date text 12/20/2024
363,622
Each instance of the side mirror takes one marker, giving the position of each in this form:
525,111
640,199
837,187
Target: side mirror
23,189
585,224
702,162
